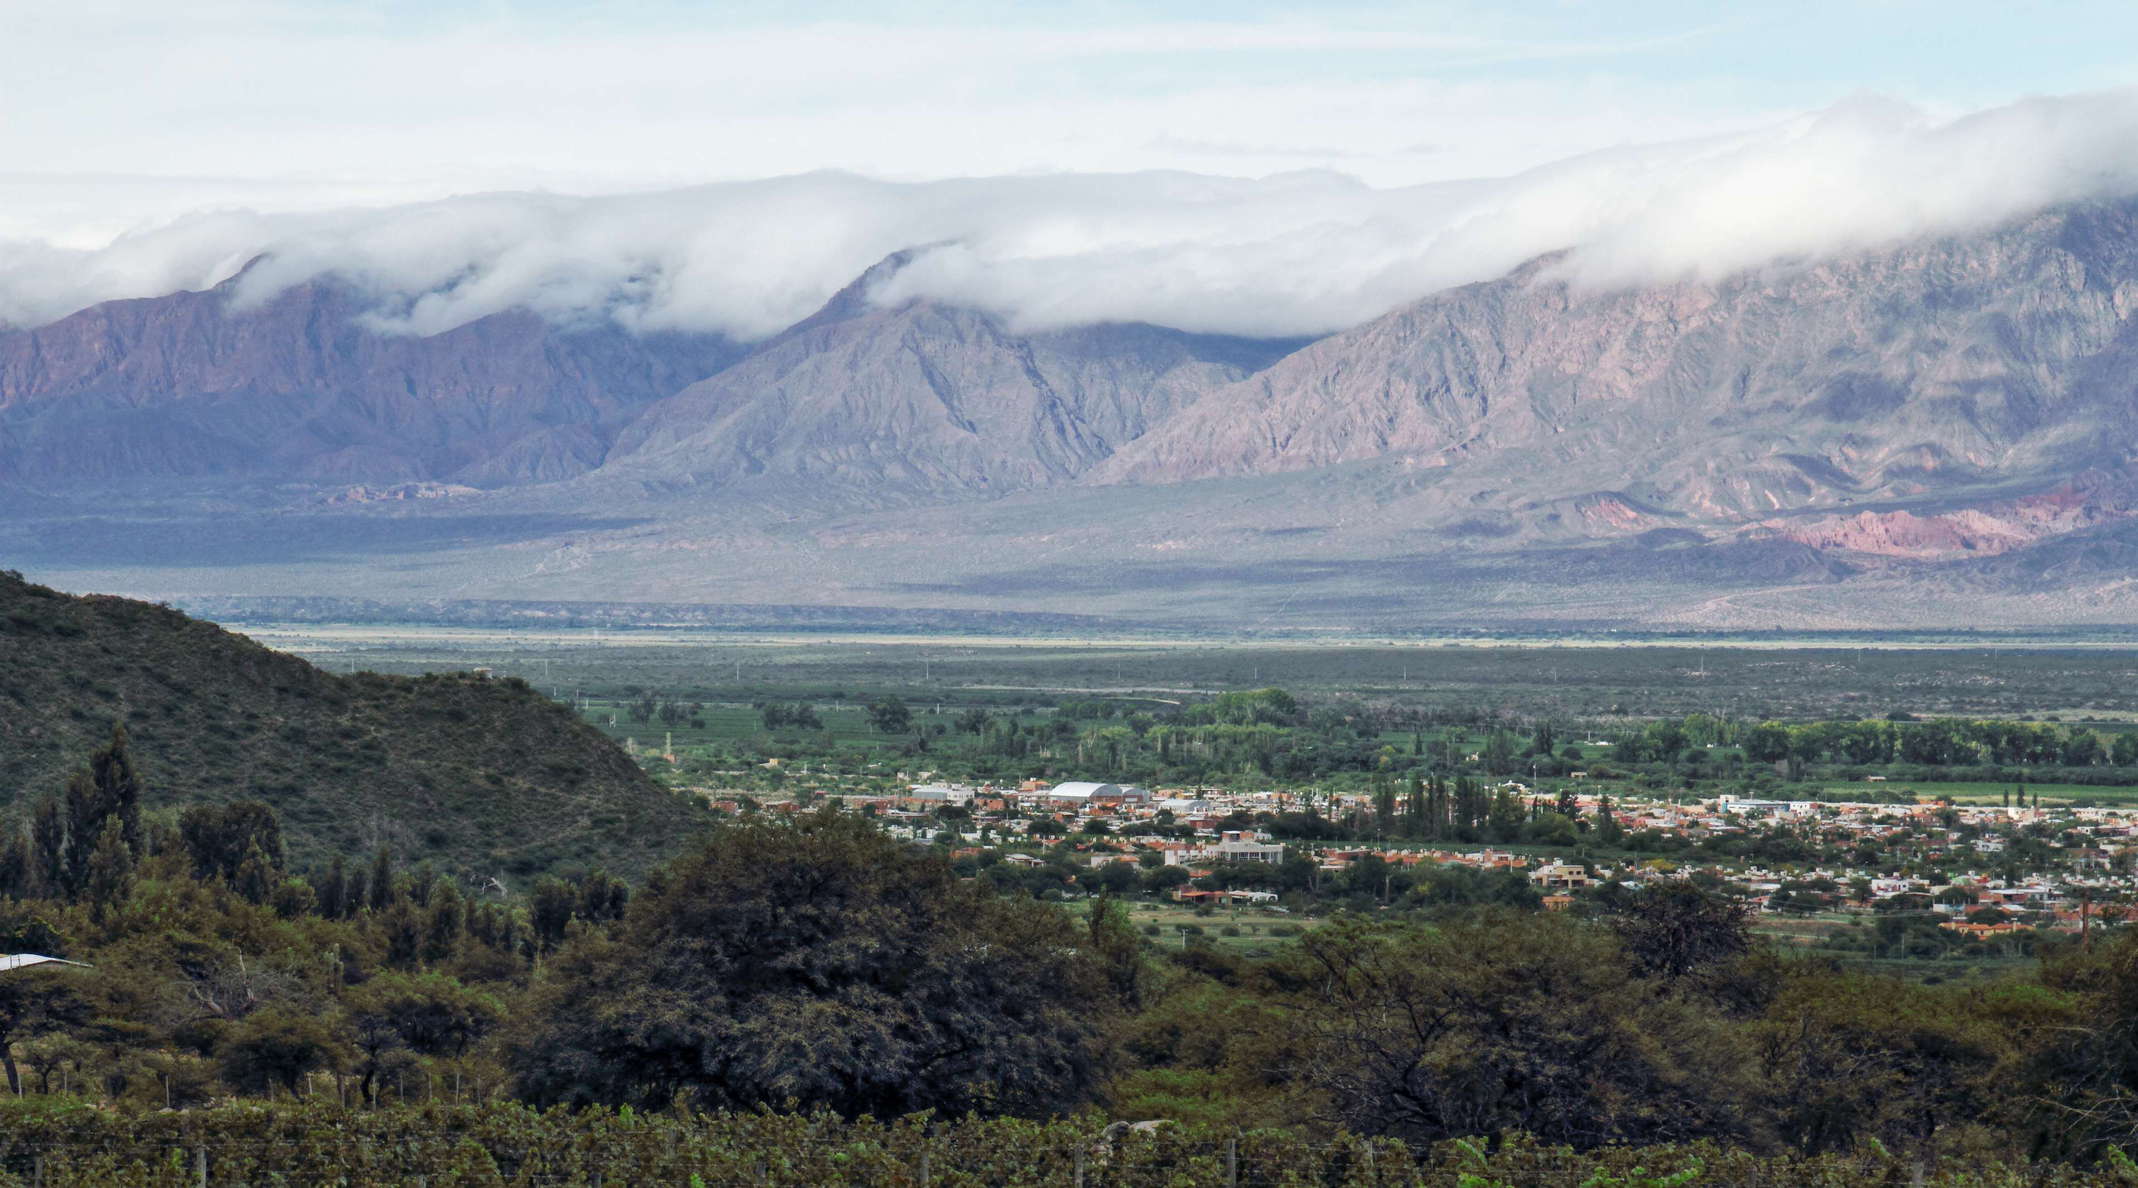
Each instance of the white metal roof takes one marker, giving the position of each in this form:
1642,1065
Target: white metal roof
1081,789
15,961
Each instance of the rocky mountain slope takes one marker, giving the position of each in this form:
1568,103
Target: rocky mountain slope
926,396
1941,369
1841,441
300,388
485,778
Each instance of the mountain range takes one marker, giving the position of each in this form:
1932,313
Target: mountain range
1924,429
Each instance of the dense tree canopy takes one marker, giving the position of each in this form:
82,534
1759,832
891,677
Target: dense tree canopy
1502,1023
820,962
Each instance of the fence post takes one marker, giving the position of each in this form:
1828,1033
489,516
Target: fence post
924,1177
1232,1162
200,1167
1080,1164
37,1170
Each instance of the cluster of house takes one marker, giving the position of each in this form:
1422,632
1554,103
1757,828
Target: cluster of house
2091,849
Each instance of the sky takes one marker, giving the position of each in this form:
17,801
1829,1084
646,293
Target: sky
152,144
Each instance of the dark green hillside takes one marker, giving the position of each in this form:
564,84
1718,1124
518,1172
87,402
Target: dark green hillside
483,776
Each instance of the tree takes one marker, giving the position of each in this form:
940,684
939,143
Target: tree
1498,755
293,898
37,999
111,869
2087,1072
1113,940
106,790
1609,833
1846,1057
602,897
221,838
889,715
402,930
1165,878
1767,742
1542,739
1673,929
380,884
48,847
334,891
1116,878
1504,1023
550,910
276,1046
118,789
823,962
801,716
446,920
428,1014
257,876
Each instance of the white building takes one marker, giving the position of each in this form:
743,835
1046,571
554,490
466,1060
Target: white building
1082,792
944,793
1236,846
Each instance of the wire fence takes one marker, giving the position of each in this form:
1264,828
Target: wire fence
1135,1161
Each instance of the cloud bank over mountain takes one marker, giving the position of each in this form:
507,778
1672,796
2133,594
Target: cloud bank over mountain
1287,254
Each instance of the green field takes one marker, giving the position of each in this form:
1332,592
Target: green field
1978,793
1590,682
1259,929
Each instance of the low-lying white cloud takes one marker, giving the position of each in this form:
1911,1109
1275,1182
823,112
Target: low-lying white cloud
1288,254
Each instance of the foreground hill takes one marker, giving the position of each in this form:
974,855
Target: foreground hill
484,777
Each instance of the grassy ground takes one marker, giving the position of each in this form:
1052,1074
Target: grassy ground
1966,792
1259,929
845,725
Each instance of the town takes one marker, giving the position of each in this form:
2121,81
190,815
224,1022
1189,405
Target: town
1926,880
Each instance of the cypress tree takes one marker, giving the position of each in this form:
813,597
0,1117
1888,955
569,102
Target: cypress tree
110,877
334,890
353,895
255,879
444,924
382,880
48,847
17,873
118,787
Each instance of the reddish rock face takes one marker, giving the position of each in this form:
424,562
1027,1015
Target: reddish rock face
1988,529
300,388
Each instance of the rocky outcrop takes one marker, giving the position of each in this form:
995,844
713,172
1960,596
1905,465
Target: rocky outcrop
1986,529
